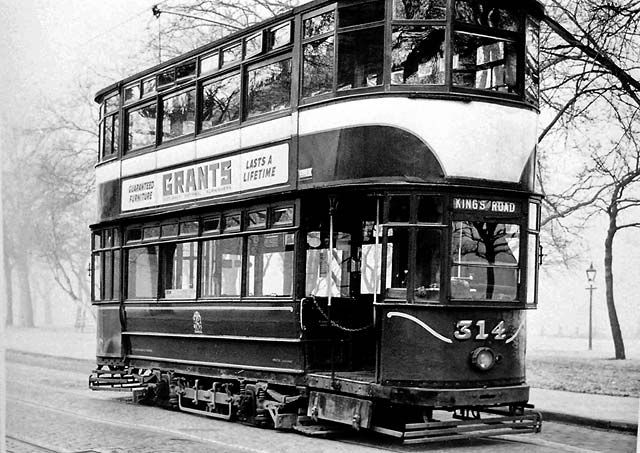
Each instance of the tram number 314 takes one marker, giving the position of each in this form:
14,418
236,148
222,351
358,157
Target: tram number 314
463,330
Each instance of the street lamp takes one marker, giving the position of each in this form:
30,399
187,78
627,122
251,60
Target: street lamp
591,276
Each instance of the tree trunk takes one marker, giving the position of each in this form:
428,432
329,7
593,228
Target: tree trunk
618,343
24,291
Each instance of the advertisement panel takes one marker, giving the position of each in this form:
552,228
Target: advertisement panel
253,170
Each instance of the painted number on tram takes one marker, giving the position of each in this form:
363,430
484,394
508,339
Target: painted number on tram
465,330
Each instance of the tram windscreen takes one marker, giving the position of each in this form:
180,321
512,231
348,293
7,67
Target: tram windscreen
485,260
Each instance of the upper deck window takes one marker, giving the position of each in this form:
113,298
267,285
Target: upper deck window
418,55
361,13
485,63
420,9
178,115
532,67
141,127
112,103
253,45
148,86
320,24
132,92
486,13
209,63
186,71
317,67
232,54
279,36
318,54
109,136
487,46
220,101
166,78
360,54
269,88
418,47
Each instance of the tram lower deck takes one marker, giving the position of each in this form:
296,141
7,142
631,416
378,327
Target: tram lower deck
363,308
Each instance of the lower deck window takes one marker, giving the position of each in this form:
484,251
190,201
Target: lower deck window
328,275
485,260
179,265
419,269
270,264
142,272
221,267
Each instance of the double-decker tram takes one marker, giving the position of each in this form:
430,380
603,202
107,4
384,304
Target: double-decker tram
328,216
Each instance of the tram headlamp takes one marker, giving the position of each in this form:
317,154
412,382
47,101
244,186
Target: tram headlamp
483,359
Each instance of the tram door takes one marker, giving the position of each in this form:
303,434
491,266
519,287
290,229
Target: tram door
340,277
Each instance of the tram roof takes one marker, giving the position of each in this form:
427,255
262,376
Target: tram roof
535,5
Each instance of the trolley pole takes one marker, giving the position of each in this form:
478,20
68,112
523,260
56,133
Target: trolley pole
591,276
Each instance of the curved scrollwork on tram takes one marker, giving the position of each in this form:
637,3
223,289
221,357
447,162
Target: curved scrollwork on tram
328,216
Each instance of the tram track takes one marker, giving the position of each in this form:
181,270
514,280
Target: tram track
32,396
506,439
15,444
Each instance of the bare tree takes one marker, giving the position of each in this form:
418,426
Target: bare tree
589,73
185,25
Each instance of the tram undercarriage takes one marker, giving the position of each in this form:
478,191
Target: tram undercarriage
322,407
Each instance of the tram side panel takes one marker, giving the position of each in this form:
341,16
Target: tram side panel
216,340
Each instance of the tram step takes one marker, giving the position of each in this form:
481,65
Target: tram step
307,427
437,431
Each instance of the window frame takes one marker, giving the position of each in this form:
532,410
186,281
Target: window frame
200,237
160,111
413,225
246,116
100,249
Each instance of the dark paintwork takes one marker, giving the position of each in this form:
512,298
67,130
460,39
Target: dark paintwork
108,331
216,320
358,153
414,357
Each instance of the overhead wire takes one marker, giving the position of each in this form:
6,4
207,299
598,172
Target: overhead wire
126,21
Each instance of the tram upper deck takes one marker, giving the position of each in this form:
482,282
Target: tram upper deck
424,91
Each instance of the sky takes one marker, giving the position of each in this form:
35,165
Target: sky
47,45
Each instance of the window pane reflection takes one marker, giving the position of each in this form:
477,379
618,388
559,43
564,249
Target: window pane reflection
419,9
417,56
484,63
178,115
142,127
317,67
221,101
320,24
487,14
269,88
485,260
532,67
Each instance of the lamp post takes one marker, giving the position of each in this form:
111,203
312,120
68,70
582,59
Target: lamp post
591,276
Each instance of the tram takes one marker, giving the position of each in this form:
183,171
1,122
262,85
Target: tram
327,217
